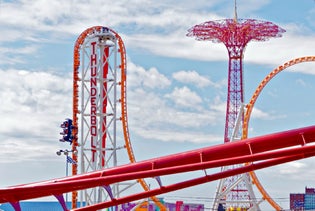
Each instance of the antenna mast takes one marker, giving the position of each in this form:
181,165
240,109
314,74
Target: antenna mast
235,11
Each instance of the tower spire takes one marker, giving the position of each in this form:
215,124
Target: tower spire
235,11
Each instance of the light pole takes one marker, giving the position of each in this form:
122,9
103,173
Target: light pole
68,160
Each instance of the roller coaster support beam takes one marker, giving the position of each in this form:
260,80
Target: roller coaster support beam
266,151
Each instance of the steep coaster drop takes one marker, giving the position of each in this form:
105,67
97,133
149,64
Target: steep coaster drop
99,59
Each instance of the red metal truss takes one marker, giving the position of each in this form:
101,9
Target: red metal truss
234,34
261,152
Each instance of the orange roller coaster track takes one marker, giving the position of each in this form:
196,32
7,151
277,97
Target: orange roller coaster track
249,108
123,101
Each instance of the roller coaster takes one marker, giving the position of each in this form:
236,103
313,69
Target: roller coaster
98,178
259,152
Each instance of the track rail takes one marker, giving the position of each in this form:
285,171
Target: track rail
123,100
124,119
261,152
249,109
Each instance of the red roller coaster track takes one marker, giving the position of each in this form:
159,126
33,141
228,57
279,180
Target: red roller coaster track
262,152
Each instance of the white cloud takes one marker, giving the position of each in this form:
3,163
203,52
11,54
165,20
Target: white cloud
152,113
17,55
277,51
257,113
151,78
33,106
159,28
192,77
22,149
185,97
292,167
149,110
181,136
305,67
219,105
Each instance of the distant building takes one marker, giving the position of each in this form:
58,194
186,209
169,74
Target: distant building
35,205
55,206
178,206
303,201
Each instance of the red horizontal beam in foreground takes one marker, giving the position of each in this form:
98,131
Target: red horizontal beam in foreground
193,182
270,150
47,189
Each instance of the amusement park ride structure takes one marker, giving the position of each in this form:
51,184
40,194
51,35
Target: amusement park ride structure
235,192
99,72
99,105
258,152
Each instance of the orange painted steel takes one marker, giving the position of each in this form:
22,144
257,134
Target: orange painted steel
124,119
249,108
123,100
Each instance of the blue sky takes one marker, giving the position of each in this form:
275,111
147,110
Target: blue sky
176,85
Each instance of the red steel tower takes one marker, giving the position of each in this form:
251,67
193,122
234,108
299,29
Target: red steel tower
235,34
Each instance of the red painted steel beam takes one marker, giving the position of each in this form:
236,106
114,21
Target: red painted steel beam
194,182
229,150
67,186
249,150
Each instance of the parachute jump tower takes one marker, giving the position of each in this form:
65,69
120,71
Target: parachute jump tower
235,192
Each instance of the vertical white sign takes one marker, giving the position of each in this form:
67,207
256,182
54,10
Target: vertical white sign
94,97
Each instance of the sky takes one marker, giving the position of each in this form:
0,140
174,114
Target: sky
177,86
